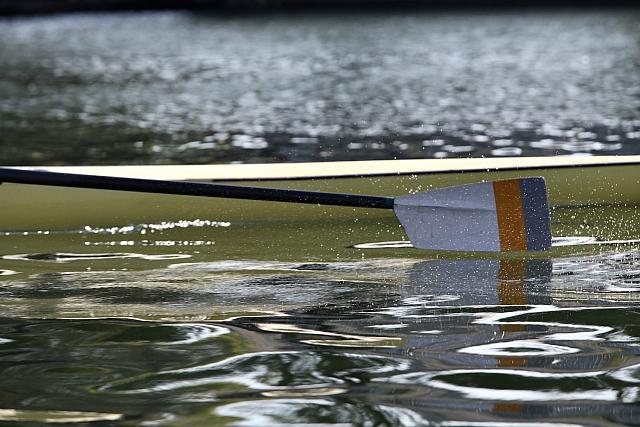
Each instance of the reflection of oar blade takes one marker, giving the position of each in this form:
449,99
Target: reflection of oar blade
507,215
481,281
511,215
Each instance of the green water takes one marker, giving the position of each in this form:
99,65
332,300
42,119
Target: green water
203,325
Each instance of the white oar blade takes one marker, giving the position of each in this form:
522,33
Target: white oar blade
508,216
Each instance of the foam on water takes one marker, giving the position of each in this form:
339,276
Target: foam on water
141,229
555,242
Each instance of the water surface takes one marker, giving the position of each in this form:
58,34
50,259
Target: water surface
197,88
208,321
185,326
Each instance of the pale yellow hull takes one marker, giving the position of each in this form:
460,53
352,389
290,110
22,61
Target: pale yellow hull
571,181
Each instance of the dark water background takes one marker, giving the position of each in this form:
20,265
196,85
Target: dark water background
202,323
198,88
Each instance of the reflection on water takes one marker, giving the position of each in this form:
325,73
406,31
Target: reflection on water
380,341
55,416
194,88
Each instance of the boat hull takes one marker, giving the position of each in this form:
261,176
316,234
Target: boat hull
29,207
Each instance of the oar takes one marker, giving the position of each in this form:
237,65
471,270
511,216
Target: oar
510,215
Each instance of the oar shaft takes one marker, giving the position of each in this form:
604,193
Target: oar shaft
22,176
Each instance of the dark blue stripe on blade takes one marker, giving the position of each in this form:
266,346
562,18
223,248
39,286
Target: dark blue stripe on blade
536,214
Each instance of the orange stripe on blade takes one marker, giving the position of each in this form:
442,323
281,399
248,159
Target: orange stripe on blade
511,228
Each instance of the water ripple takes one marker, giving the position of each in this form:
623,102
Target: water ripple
7,272
518,348
294,412
62,257
29,416
542,386
266,371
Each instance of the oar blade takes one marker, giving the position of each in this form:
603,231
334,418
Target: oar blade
500,216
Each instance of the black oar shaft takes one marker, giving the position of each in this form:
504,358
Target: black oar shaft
23,176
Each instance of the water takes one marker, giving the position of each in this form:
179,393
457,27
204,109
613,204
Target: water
198,88
194,323
376,342
209,321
